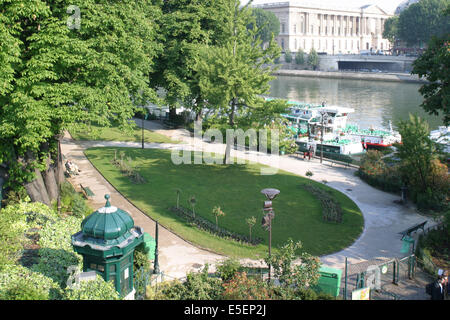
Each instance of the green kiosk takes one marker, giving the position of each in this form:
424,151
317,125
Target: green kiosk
107,241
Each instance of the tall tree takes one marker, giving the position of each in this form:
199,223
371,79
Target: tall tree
232,75
434,66
54,77
185,25
266,23
422,20
390,31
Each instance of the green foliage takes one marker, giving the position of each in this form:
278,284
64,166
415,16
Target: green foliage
56,252
390,31
97,289
267,24
73,202
293,276
23,290
374,170
240,287
141,259
416,152
331,210
434,66
233,74
300,57
313,59
228,268
17,282
288,56
422,20
53,78
198,286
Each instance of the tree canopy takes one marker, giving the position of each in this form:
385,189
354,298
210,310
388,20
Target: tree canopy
53,77
422,20
434,66
267,24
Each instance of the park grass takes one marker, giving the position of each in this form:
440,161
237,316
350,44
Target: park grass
115,134
236,189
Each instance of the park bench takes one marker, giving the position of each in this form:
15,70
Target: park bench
343,162
410,230
87,192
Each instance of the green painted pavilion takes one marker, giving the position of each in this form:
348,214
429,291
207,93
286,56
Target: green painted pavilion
107,241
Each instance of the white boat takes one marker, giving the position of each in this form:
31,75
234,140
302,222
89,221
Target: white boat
442,137
338,136
307,121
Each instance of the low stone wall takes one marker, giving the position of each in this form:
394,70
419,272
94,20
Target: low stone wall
371,76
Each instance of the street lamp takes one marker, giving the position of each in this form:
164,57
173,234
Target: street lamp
269,215
324,116
144,117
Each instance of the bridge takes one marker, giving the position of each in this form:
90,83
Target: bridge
359,62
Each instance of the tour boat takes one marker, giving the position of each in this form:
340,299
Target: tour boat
442,137
306,121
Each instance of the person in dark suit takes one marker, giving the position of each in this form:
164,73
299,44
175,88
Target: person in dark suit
438,290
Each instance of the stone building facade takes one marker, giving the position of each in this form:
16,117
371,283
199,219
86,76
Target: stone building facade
328,27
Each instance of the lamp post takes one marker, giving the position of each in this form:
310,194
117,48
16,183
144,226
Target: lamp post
144,117
269,215
156,264
324,116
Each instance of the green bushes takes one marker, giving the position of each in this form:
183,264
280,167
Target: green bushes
288,56
331,210
73,202
97,289
376,173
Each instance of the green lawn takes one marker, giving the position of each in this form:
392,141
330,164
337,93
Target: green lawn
114,134
236,189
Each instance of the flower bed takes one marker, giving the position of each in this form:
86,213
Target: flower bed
207,225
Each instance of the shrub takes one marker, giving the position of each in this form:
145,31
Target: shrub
331,209
288,56
97,289
56,252
228,269
240,287
20,283
299,57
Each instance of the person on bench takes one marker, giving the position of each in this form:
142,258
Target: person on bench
72,168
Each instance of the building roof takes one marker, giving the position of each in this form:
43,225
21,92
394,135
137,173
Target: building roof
353,6
107,223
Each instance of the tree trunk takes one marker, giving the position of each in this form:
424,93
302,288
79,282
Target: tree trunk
172,113
227,158
50,181
36,189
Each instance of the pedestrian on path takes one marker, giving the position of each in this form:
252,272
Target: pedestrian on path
438,290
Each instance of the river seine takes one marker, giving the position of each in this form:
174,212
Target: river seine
375,102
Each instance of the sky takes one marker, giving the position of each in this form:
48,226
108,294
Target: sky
387,5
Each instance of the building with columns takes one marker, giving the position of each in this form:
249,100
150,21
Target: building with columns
329,27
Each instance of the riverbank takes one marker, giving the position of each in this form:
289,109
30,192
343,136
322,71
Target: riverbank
369,76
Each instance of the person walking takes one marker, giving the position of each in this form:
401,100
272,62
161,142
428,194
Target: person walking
438,290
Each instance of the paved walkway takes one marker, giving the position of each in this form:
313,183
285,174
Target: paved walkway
383,218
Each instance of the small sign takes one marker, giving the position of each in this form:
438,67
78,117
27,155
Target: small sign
361,294
125,273
384,269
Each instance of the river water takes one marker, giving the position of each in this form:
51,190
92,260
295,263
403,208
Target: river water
375,102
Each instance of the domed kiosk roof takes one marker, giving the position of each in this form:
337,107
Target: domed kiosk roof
107,223
109,230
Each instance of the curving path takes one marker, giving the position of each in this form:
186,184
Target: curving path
383,218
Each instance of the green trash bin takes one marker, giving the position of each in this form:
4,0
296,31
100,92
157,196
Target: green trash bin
329,281
149,246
